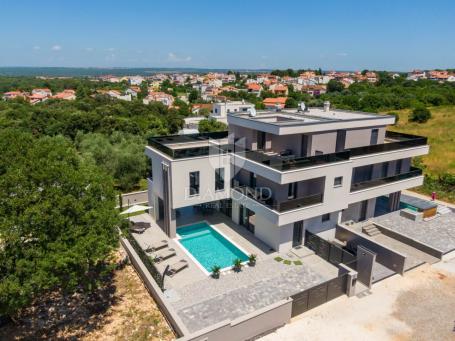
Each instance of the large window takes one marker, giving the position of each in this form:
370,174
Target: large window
219,179
194,183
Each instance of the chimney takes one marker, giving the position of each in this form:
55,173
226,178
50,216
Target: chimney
326,106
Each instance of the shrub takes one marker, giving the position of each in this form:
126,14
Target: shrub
287,262
297,262
252,259
237,265
395,114
420,115
278,259
216,271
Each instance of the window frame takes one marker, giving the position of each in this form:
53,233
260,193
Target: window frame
196,187
219,179
335,184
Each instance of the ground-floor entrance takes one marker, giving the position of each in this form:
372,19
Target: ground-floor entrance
247,218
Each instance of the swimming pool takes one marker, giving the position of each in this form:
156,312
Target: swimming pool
208,246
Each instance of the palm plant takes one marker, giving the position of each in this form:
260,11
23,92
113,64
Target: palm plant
216,271
237,265
252,260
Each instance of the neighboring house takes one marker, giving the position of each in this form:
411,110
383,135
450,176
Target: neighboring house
303,172
12,95
275,103
221,109
279,89
68,94
438,75
196,108
136,80
37,98
118,95
43,92
166,99
314,90
254,88
132,92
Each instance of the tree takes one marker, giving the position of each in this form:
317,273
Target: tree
211,125
121,156
57,219
420,115
334,86
291,103
193,96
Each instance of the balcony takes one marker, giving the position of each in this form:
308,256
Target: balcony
285,163
192,145
414,172
393,141
284,206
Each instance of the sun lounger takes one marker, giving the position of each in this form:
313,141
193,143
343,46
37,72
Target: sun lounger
168,253
157,246
137,229
177,267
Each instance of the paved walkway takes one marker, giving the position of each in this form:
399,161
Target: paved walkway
438,233
248,298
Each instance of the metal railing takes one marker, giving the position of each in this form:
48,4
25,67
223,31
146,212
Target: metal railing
414,172
280,163
280,206
403,141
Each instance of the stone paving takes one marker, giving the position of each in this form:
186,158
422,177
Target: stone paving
438,232
265,284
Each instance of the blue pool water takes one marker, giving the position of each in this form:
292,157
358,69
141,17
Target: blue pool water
208,246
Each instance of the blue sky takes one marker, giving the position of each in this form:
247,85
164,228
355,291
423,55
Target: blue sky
344,34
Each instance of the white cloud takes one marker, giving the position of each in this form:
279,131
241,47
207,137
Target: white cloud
56,48
36,48
342,54
110,49
172,57
89,49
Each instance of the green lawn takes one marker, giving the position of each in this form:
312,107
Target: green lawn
440,130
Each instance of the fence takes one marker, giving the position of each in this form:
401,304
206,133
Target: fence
332,253
324,292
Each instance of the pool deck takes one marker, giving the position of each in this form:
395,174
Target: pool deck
201,301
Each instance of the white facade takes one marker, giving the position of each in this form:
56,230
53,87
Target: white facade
317,168
221,109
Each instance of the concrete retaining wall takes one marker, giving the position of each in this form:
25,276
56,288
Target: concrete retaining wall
260,322
388,257
168,311
134,198
409,241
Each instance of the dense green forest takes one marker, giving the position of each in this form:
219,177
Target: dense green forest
107,132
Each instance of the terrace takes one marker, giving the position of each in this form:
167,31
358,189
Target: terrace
193,145
201,301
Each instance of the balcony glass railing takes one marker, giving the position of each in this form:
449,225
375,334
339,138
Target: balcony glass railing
398,141
281,163
261,195
414,172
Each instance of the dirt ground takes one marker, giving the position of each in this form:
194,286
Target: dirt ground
418,306
123,310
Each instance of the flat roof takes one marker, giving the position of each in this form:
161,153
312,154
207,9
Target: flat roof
310,116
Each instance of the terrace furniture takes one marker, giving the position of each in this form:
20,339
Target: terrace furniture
137,229
177,267
166,254
156,246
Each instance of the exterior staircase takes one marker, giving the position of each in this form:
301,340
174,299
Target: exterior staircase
371,230
443,209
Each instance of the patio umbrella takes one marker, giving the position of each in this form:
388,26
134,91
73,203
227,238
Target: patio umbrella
135,208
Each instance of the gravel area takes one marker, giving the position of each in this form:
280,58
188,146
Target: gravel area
419,306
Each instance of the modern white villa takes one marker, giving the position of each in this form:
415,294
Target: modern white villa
279,173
